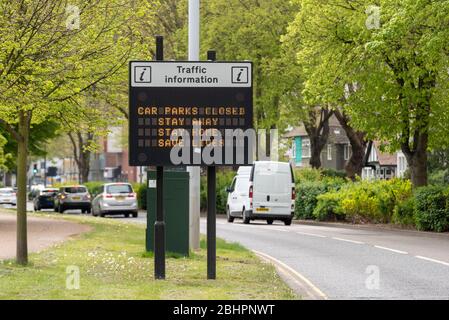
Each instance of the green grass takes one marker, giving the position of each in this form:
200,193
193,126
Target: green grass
113,265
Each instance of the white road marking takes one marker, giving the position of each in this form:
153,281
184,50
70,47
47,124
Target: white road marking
389,249
347,240
316,292
433,260
311,234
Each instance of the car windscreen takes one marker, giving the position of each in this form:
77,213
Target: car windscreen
6,191
119,188
75,190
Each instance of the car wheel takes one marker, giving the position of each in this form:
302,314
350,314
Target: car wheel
269,221
126,215
288,222
135,215
102,214
60,209
246,219
83,211
228,214
88,210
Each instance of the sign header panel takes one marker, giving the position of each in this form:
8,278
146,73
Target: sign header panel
191,74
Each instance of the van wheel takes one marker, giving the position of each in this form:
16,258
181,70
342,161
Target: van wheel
269,221
246,219
288,222
228,215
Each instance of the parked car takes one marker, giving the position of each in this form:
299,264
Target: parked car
115,199
45,199
73,197
8,196
267,193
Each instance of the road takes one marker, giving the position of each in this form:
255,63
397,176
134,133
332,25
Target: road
353,263
346,262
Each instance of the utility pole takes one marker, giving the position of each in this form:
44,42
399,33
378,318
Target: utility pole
194,185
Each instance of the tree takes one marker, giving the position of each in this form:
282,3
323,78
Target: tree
397,54
250,30
52,52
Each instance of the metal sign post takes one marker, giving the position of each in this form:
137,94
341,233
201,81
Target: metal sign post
159,226
211,211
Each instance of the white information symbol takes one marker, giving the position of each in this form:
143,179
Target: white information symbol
142,74
239,74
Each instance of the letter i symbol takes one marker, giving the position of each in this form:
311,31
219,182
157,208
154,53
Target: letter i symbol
141,75
239,77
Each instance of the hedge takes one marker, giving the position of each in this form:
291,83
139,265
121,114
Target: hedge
431,210
372,201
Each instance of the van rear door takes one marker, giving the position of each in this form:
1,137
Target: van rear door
272,188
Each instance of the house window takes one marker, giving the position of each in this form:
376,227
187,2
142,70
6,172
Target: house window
306,148
294,149
347,151
329,152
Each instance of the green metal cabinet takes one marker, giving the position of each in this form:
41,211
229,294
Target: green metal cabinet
176,211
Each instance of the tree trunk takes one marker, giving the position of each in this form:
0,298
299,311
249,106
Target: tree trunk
358,143
22,155
417,159
318,132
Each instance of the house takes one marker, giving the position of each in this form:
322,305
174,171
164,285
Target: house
383,165
333,156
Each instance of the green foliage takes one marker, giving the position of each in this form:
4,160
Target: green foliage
372,201
224,180
307,193
439,177
251,30
432,208
404,212
94,187
307,174
141,190
333,173
391,79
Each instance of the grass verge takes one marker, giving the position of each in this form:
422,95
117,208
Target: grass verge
112,265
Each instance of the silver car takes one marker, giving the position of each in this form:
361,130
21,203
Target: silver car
8,196
114,199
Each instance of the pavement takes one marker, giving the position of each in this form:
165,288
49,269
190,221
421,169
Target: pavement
42,233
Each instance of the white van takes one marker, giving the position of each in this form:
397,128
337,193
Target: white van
264,192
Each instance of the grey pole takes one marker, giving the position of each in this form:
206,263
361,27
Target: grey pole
194,185
159,226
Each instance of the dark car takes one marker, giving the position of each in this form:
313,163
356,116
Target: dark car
71,198
45,199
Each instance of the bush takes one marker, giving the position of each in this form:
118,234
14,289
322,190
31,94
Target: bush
372,201
307,193
333,173
432,208
224,180
94,187
404,212
307,174
439,177
141,190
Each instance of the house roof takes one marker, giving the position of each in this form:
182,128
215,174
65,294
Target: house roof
385,158
296,132
336,133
